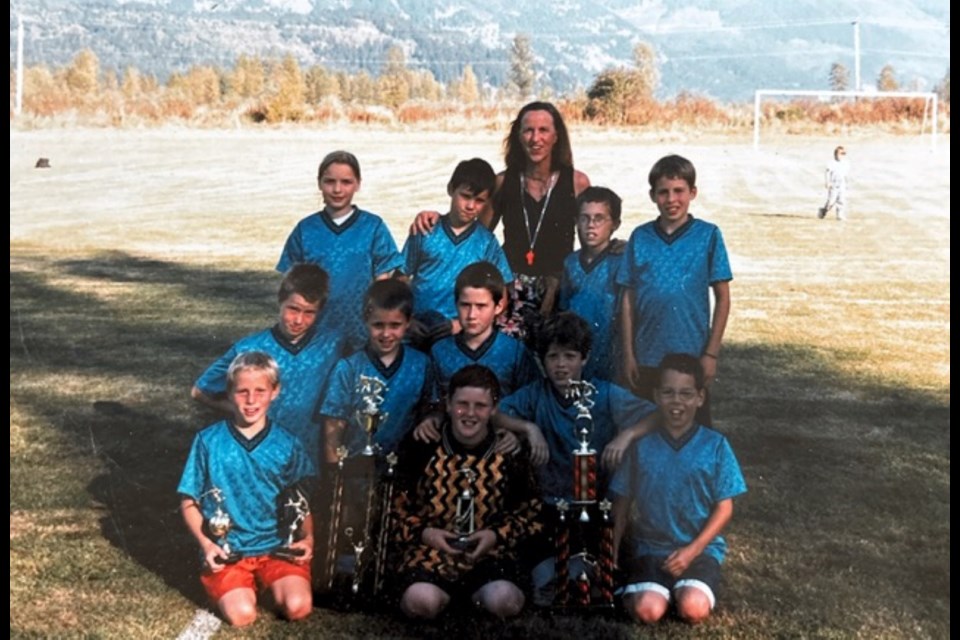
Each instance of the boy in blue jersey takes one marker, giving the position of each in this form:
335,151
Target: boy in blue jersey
668,270
244,467
406,373
479,294
432,261
544,413
682,478
305,354
353,246
588,286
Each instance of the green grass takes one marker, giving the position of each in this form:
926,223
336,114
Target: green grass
833,388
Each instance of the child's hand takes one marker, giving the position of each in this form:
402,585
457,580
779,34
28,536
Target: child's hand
709,364
211,552
506,442
614,452
486,541
539,451
424,222
678,561
440,539
428,430
307,545
631,373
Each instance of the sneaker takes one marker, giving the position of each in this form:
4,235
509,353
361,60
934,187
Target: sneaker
822,213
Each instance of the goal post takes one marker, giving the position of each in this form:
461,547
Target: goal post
930,105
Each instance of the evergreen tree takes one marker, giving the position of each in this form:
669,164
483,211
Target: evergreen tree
522,75
468,92
887,80
839,77
648,73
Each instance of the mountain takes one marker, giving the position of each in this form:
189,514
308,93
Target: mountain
723,48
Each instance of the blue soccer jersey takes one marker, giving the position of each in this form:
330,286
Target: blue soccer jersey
353,254
304,369
507,357
591,292
675,485
409,381
670,277
615,408
434,260
251,475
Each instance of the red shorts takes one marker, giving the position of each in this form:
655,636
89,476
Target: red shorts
250,573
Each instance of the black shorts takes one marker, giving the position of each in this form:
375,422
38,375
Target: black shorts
646,574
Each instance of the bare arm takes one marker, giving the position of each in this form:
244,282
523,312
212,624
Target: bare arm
721,311
305,542
580,182
621,514
613,453
678,561
333,429
193,518
539,452
218,403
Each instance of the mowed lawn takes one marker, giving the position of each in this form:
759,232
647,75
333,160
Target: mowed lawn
139,256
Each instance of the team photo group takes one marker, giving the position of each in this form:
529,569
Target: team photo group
465,422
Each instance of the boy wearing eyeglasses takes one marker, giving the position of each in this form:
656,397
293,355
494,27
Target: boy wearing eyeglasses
675,489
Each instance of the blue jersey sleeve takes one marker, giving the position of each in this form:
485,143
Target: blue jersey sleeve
495,255
520,404
729,481
411,254
337,402
719,262
625,272
194,478
626,408
386,258
527,370
213,381
292,251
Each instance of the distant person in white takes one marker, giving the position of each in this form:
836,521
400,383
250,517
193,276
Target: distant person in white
835,181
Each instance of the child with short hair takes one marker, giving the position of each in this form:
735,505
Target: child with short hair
305,353
407,375
242,467
588,286
668,269
432,261
463,509
353,246
546,414
835,182
682,478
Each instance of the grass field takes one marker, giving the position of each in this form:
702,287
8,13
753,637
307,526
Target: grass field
140,255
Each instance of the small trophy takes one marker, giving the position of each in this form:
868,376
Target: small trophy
584,458
292,513
371,390
219,525
465,524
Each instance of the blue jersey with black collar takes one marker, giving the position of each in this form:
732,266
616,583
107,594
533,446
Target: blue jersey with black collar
434,260
251,475
304,369
614,409
409,381
676,483
507,357
591,291
353,254
670,276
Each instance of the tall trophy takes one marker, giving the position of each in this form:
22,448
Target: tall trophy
371,390
219,525
464,524
294,510
584,458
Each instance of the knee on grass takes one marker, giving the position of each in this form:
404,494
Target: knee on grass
646,607
424,601
501,598
693,605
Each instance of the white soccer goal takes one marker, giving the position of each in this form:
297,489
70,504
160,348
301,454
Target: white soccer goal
929,107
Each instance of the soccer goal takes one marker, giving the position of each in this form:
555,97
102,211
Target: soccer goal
929,107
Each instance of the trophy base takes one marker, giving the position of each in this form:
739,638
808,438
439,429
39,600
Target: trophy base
464,544
232,558
287,553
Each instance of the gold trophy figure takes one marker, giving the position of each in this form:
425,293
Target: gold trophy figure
464,523
219,525
371,390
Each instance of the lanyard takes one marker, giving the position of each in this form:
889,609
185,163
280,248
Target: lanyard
532,237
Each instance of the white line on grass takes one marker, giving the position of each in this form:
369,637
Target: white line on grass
202,627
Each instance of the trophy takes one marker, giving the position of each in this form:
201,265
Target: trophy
464,524
584,458
219,525
292,512
371,390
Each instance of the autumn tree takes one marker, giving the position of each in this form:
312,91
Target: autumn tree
468,92
320,84
887,80
522,74
248,78
647,70
839,77
288,92
393,85
83,74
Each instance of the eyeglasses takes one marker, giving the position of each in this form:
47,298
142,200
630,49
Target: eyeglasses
683,394
597,220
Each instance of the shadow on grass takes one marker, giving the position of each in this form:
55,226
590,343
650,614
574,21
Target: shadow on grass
848,478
